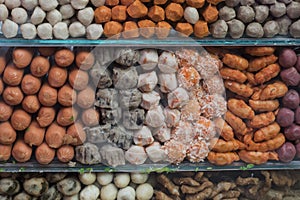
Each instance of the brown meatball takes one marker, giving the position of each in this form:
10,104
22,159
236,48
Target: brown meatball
47,51
86,97
2,63
130,30
185,28
64,57
162,29
46,116
34,135
44,154
31,104
90,117
57,76
112,29
12,75
39,66
102,14
20,120
5,111
65,153
156,13
47,95
75,134
147,28
118,13
12,95
66,95
21,151
55,135
85,60
22,57
174,12
5,152
78,79
8,134
31,84
66,116
1,86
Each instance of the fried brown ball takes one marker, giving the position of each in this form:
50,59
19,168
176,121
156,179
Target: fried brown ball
20,120
1,86
39,66
47,51
46,116
12,95
85,60
5,152
21,151
44,154
47,95
8,134
31,84
90,117
34,135
12,75
5,111
55,135
2,63
22,56
86,98
78,79
66,116
65,153
75,134
64,57
66,96
31,104
57,76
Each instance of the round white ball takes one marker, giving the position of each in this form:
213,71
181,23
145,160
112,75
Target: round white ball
3,12
11,4
44,31
48,5
104,178
94,31
37,16
19,15
98,3
127,193
61,31
144,191
79,4
121,180
9,28
29,4
109,192
86,16
87,178
74,197
67,11
28,31
191,15
139,178
53,17
63,2
76,29
90,192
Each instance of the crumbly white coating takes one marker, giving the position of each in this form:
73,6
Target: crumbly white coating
9,28
53,17
67,11
19,15
44,31
61,31
94,31
191,15
167,62
76,29
148,59
37,16
28,31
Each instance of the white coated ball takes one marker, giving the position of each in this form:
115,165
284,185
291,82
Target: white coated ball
28,31
98,3
48,5
37,16
94,31
74,197
104,178
87,178
67,11
144,191
139,178
53,17
76,29
19,15
9,28
79,4
86,16
63,2
3,12
11,4
121,180
109,192
44,31
127,193
90,192
61,31
29,4
191,15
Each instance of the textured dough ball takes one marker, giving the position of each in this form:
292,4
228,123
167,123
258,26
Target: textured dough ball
127,193
79,4
219,29
109,192
67,11
295,29
28,31
284,24
87,178
236,28
278,9
191,15
255,30
48,5
9,28
90,192
29,4
53,17
261,13
246,14
3,12
86,16
37,16
19,15
11,4
104,178
44,31
144,191
76,29
293,10
94,31
61,31
121,180
271,28
139,178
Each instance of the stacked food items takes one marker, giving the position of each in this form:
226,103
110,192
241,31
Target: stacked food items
61,19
